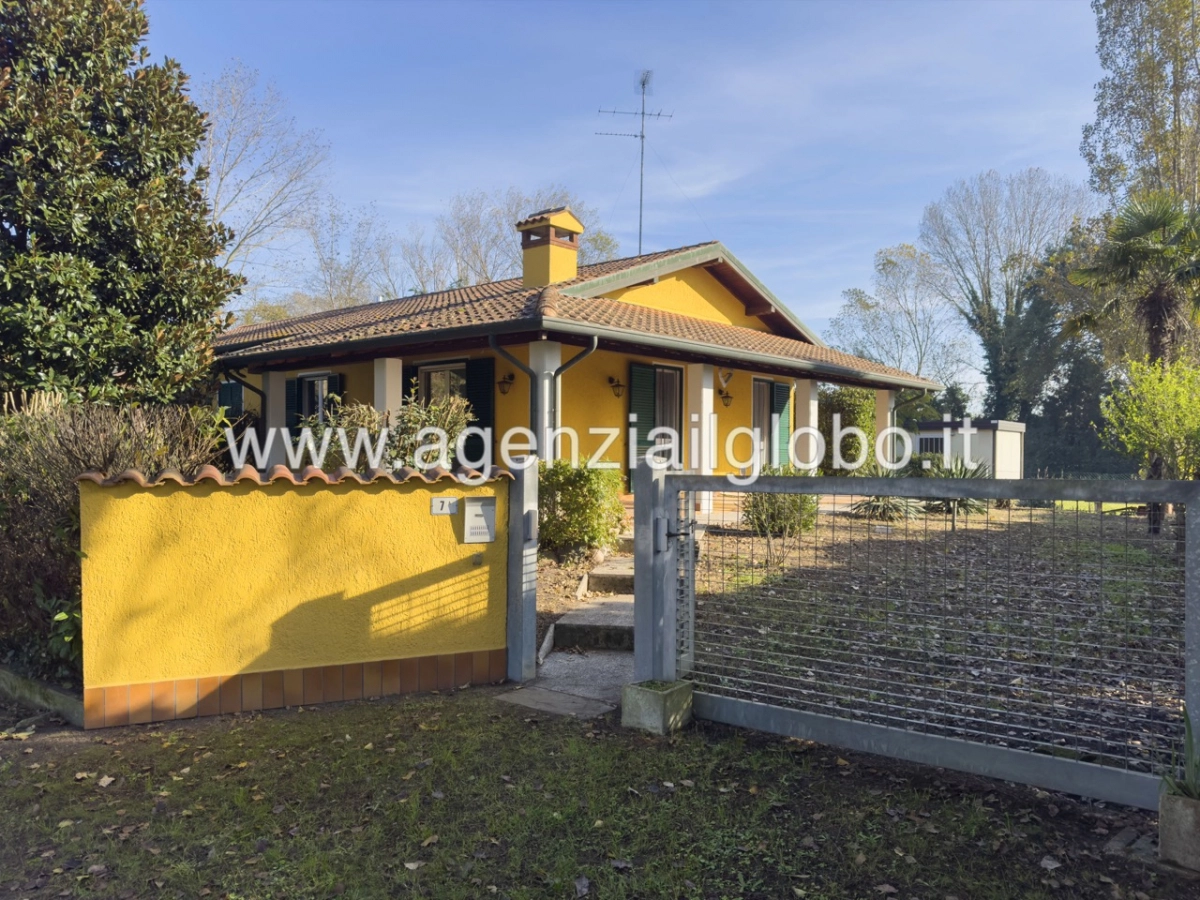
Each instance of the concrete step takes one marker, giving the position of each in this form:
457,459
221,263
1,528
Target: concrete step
625,543
598,625
614,576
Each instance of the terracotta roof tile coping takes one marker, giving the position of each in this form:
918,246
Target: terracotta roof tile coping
308,475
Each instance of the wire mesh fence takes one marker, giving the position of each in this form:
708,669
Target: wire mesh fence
1055,626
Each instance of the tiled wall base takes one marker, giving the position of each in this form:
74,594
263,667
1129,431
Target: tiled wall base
161,701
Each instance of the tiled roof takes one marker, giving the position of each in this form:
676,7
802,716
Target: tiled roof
309,475
479,304
508,302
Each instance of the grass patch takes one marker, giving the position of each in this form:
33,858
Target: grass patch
462,796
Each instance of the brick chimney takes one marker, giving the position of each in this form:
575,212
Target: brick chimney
549,247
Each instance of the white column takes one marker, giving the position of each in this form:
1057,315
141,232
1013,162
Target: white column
885,417
544,358
806,417
275,387
389,386
699,426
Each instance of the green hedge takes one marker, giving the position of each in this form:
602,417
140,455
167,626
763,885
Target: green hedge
579,508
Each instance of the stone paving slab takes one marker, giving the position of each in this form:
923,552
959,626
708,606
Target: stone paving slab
583,685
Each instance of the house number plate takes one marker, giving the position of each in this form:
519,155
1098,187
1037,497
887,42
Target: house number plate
443,506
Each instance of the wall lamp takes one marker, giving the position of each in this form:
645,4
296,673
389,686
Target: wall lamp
618,389
726,397
506,382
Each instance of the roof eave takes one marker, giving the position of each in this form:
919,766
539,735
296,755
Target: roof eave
701,349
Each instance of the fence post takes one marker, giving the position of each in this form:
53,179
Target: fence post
653,578
522,571
1191,607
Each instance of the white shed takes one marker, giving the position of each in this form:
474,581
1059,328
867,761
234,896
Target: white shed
997,443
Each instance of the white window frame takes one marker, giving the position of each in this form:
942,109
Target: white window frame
423,371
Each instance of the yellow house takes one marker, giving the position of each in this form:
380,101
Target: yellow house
686,339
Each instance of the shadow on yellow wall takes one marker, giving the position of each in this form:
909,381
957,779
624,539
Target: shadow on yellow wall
204,580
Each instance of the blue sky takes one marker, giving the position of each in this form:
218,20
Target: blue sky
805,135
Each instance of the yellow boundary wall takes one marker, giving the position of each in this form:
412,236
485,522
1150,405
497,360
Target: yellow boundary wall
207,581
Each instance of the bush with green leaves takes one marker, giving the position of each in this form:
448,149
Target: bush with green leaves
1156,415
780,518
45,443
579,508
856,408
452,415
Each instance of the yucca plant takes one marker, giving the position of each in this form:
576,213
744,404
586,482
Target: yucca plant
965,505
883,507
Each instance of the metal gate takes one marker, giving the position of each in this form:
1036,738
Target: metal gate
1035,631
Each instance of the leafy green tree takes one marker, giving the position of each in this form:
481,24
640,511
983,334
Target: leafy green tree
109,287
952,402
1152,258
1146,135
1062,435
1156,416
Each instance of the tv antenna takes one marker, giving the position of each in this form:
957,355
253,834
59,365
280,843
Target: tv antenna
644,86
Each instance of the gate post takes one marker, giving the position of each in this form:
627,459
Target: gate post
522,571
1191,607
653,578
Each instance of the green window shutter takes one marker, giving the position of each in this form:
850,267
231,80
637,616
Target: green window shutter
408,379
642,403
781,405
291,403
480,393
230,397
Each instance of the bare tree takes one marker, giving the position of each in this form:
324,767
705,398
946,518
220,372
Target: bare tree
264,173
345,250
413,264
474,241
906,322
988,234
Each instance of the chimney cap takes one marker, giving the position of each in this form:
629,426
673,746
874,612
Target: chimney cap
560,217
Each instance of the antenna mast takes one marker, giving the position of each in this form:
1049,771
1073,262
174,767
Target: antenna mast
644,87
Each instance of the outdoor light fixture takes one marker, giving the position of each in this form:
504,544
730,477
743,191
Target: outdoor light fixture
726,397
618,389
506,382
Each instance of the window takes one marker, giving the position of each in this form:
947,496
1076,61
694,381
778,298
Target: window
308,395
931,445
439,383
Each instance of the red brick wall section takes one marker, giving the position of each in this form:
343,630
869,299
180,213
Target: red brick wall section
164,701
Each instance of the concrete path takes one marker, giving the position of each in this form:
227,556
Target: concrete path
584,685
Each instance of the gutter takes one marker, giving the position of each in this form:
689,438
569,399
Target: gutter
535,394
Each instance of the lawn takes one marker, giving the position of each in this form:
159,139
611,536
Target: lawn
465,796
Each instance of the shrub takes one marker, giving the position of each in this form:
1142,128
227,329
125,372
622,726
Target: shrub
44,444
965,505
780,518
452,415
883,507
856,406
579,508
